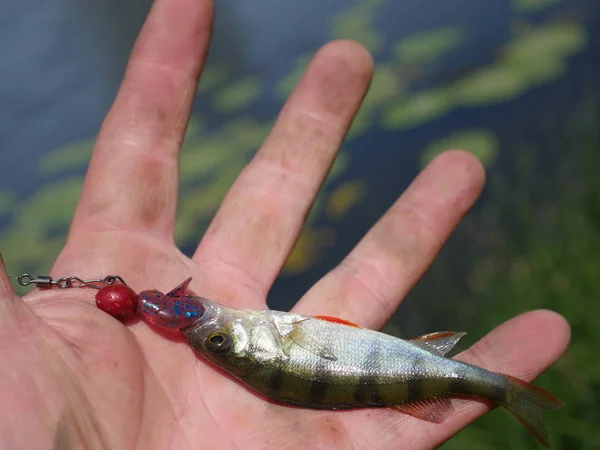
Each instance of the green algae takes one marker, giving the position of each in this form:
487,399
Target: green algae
417,108
490,85
428,46
238,95
308,249
288,83
212,76
344,197
72,156
481,143
40,226
358,23
8,201
527,6
385,86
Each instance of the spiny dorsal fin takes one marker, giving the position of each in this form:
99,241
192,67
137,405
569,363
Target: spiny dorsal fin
433,410
338,320
438,343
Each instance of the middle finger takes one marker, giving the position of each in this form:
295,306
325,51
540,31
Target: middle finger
263,213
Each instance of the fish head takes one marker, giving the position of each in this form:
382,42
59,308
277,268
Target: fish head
223,335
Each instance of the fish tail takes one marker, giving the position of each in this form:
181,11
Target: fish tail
528,403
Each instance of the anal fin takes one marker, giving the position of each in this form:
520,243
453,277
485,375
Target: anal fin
433,410
438,343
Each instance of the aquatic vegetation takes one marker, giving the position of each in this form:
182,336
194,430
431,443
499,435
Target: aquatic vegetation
39,227
344,197
198,204
490,85
385,87
73,156
286,85
211,158
541,54
538,55
308,249
481,143
213,75
428,46
238,95
525,6
358,23
417,108
7,201
203,155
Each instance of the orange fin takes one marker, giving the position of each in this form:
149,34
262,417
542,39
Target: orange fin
337,320
433,410
527,403
438,343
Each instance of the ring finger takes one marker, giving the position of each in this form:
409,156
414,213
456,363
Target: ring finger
368,286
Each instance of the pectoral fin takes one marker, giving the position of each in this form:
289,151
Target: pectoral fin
295,335
438,343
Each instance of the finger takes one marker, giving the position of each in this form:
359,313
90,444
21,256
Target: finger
370,283
133,175
523,347
263,213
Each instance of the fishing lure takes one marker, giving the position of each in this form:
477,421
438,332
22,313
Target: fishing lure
328,363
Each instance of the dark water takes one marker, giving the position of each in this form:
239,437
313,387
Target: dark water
62,62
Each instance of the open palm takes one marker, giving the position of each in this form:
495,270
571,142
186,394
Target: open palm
74,377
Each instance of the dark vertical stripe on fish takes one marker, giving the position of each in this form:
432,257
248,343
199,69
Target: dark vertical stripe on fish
319,383
459,385
415,384
275,382
367,387
467,382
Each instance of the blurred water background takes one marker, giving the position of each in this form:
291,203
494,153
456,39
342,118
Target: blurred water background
514,82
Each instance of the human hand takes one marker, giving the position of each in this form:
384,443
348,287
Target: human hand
74,377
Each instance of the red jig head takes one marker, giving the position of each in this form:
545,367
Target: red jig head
118,300
177,309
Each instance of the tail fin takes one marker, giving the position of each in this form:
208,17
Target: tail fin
527,403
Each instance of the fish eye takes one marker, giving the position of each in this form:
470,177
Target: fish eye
218,342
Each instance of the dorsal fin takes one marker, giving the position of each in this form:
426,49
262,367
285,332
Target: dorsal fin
337,320
438,343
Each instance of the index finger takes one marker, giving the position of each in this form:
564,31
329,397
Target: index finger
133,176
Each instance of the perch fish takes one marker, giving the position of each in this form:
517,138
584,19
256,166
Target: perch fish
328,363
